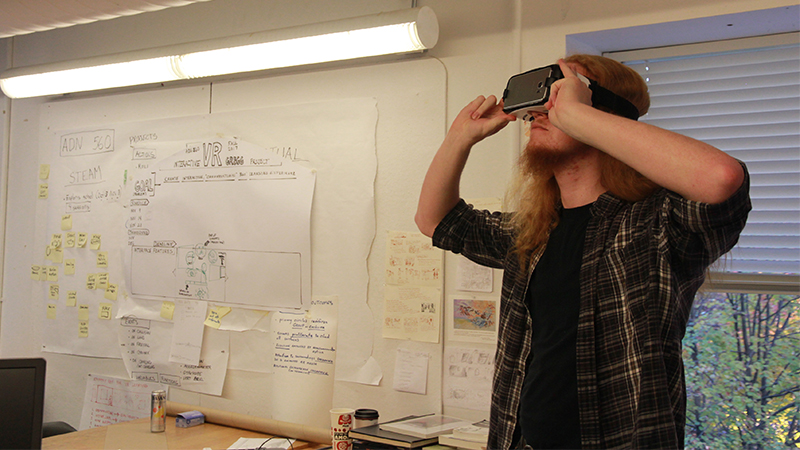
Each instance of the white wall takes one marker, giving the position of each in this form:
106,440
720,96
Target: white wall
481,44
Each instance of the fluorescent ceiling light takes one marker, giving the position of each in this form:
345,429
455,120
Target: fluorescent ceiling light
343,45
399,32
104,76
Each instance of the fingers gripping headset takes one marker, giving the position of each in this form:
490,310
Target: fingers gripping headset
528,92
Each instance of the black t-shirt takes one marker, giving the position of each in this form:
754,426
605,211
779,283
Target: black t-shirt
548,414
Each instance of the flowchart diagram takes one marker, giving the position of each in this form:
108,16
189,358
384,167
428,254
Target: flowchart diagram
242,238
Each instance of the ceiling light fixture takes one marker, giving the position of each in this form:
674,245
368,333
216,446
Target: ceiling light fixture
393,33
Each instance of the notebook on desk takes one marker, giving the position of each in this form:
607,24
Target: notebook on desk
374,434
21,402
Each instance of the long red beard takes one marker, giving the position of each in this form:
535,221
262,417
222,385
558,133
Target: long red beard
540,160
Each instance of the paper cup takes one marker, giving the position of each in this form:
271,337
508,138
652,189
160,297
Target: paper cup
341,423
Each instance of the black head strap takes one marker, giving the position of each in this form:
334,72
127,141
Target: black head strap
603,97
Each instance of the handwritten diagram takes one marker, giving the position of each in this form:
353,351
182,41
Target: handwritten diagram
174,210
221,221
110,400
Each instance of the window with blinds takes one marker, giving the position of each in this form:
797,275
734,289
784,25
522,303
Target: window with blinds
742,97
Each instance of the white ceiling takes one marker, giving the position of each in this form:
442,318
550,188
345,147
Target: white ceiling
29,16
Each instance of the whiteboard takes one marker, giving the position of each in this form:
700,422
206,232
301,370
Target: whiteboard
410,97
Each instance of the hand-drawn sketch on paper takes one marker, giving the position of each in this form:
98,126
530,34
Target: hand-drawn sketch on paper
221,221
109,400
467,378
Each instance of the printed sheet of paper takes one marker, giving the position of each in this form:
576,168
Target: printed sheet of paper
411,371
412,298
145,346
467,378
109,400
472,319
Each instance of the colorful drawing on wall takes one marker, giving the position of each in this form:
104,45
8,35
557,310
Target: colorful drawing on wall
474,315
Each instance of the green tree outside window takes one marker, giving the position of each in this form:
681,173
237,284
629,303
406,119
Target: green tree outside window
742,362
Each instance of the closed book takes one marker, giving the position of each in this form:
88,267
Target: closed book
374,433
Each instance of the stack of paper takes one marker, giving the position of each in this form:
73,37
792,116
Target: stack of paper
426,426
472,437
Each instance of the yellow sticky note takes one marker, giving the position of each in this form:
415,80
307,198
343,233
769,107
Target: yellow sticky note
94,242
51,311
83,312
215,314
53,292
102,259
83,329
102,280
111,292
69,267
43,191
58,255
35,272
72,298
105,311
55,240
44,171
91,281
52,273
82,239
167,310
69,239
213,318
43,273
66,222
48,253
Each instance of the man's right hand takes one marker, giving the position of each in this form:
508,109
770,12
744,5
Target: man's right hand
478,120
483,117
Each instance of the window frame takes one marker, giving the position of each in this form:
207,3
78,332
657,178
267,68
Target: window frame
720,280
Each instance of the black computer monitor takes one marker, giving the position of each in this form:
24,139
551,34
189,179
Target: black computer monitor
21,403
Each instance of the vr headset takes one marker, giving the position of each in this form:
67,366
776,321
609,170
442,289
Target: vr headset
527,93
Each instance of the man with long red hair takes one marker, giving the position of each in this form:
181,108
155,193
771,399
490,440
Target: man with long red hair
614,225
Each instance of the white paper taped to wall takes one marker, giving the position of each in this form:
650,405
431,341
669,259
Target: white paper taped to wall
219,220
145,346
95,170
109,400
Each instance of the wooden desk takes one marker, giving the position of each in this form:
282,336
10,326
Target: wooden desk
136,435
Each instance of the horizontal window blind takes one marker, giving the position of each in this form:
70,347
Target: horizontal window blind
746,102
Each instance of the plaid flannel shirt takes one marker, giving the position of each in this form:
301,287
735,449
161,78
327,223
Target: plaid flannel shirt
642,265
